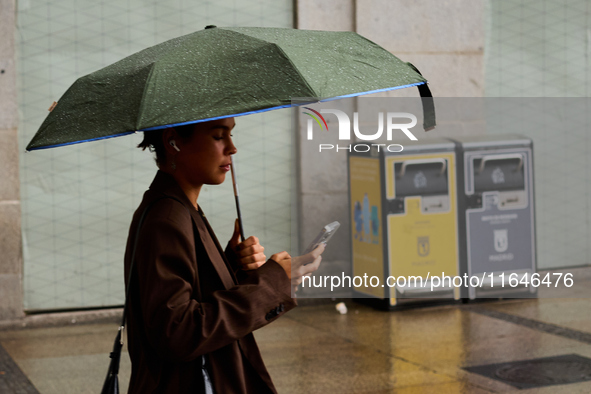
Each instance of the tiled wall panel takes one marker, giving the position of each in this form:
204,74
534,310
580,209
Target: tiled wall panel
78,200
542,48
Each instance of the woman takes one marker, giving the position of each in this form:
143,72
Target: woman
190,302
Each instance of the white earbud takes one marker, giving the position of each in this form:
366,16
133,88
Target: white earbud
173,144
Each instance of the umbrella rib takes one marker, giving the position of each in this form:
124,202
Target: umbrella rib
142,101
285,57
297,71
367,64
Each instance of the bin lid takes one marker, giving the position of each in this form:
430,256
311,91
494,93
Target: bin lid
423,146
493,141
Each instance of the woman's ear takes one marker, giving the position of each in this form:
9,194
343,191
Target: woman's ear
169,140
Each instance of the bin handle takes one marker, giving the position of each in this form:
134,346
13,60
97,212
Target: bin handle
406,163
501,157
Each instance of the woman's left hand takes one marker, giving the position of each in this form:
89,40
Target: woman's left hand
250,251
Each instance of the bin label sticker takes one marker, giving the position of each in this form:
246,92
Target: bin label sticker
501,240
423,246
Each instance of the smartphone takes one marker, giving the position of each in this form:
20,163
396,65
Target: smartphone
323,236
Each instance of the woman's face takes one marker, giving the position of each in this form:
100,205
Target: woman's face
204,158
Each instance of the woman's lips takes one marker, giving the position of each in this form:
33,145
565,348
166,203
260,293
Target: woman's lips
225,167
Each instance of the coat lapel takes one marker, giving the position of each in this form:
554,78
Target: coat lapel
165,183
212,250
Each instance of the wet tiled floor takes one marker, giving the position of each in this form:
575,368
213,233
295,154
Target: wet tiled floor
314,349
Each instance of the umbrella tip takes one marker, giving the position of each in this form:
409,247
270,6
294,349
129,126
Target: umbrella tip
210,26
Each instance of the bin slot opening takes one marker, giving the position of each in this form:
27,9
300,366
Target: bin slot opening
421,178
498,174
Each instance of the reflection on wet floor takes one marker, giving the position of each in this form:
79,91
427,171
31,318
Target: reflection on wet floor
315,349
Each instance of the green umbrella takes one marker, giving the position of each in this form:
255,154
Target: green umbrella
221,72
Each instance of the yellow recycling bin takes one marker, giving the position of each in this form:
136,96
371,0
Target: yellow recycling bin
404,229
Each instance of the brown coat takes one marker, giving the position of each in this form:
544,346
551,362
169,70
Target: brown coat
170,325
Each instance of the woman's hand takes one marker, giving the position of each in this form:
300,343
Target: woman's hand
250,251
298,267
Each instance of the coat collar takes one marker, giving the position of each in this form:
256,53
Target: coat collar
164,183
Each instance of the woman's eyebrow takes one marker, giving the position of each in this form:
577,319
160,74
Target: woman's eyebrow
222,127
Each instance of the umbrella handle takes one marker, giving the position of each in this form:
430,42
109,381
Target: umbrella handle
236,194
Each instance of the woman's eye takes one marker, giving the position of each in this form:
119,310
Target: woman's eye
219,137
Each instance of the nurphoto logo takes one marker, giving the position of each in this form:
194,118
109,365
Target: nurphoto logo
396,122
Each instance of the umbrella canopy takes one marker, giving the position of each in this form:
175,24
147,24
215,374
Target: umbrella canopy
220,72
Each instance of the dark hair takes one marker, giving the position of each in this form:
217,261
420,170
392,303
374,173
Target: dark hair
153,141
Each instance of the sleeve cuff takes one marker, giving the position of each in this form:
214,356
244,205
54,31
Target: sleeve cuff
277,278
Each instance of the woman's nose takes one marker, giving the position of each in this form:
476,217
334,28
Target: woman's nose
232,148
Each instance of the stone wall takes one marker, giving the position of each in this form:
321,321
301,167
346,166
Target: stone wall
11,261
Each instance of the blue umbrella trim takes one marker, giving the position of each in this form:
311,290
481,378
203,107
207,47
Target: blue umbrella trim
81,141
279,107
